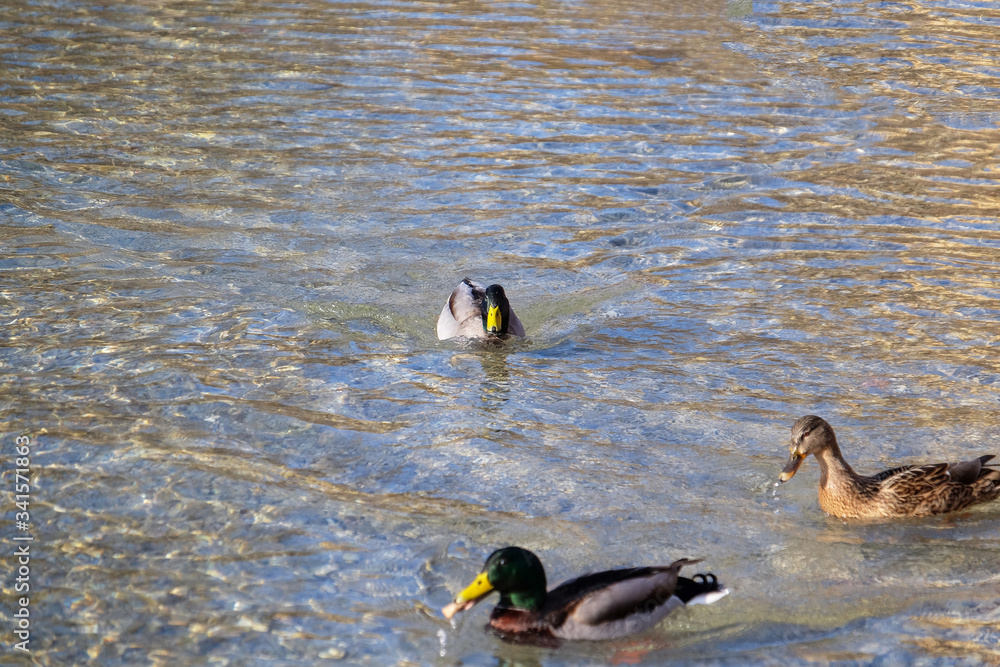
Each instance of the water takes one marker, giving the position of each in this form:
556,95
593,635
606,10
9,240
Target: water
227,230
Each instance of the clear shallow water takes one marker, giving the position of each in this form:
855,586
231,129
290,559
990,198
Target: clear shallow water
227,231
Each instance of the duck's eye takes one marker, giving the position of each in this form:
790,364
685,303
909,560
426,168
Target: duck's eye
503,561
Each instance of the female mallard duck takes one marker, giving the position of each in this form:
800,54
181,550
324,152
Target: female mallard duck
903,491
475,311
603,605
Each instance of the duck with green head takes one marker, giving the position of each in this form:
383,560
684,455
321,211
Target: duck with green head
903,491
602,605
474,311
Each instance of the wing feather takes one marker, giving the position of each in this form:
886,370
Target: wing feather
617,603
605,596
462,313
918,478
635,595
967,472
514,326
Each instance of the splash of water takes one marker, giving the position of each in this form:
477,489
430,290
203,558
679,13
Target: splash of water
443,639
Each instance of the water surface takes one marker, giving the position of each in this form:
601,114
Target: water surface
228,228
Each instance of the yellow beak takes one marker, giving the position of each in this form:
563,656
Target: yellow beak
477,589
493,319
469,596
792,467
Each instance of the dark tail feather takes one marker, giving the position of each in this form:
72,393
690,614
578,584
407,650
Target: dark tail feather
989,471
967,472
699,584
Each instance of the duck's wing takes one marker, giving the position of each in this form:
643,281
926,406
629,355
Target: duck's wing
617,602
913,480
514,326
941,487
886,474
644,590
462,314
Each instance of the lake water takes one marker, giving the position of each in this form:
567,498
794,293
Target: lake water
228,229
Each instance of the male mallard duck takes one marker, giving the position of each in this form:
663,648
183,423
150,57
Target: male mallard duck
903,491
603,605
475,311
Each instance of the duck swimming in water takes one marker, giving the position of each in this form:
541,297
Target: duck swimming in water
905,491
474,311
603,605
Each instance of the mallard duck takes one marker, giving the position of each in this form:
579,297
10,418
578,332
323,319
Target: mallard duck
475,311
603,605
903,491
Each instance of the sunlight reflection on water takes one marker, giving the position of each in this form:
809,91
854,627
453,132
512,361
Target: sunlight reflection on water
227,233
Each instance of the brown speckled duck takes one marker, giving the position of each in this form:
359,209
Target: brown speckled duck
903,491
603,605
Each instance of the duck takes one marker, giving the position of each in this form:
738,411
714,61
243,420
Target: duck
474,311
601,605
911,490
